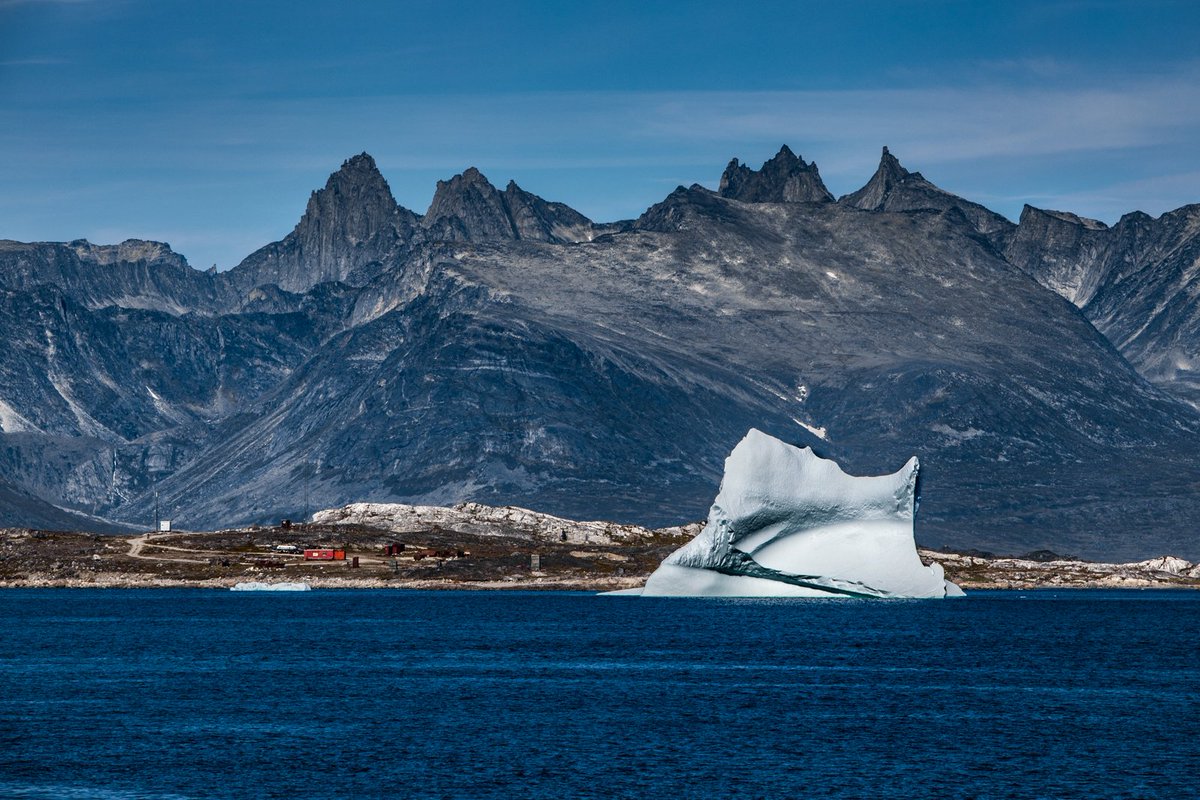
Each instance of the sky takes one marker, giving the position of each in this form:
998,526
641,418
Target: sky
207,123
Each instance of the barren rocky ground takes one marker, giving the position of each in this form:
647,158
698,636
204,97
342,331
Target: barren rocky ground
433,557
463,547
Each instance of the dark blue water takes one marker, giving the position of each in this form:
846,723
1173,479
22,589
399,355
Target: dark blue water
197,694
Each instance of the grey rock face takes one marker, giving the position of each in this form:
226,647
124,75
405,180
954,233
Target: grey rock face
1063,251
130,251
893,188
786,178
1137,282
527,374
97,404
133,274
351,229
468,208
538,220
21,509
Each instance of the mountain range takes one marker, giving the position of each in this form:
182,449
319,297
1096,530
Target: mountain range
506,349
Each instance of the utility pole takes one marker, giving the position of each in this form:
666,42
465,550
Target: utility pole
156,521
307,466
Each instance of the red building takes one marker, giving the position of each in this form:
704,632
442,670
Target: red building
324,555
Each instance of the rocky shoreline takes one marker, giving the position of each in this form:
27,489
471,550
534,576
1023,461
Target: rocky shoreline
1049,572
465,547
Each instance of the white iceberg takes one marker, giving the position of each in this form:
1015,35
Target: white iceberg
788,523
260,586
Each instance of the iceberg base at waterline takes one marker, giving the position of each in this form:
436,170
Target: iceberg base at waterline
788,523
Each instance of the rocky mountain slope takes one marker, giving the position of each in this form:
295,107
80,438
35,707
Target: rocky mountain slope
504,349
133,274
1138,282
351,230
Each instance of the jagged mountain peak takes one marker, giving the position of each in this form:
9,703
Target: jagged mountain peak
450,192
894,188
469,208
786,159
513,193
890,174
471,176
890,167
785,178
355,205
358,179
363,162
351,223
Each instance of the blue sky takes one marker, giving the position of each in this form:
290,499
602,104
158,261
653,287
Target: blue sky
207,124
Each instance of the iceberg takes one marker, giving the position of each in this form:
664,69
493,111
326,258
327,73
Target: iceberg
788,523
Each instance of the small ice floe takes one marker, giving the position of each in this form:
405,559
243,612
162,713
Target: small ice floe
261,586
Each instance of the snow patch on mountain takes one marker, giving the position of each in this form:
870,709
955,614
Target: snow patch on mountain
12,422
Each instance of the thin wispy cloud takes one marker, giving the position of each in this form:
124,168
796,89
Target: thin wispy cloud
194,123
612,154
1112,200
940,124
843,129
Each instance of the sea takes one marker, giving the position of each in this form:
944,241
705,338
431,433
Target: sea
152,693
